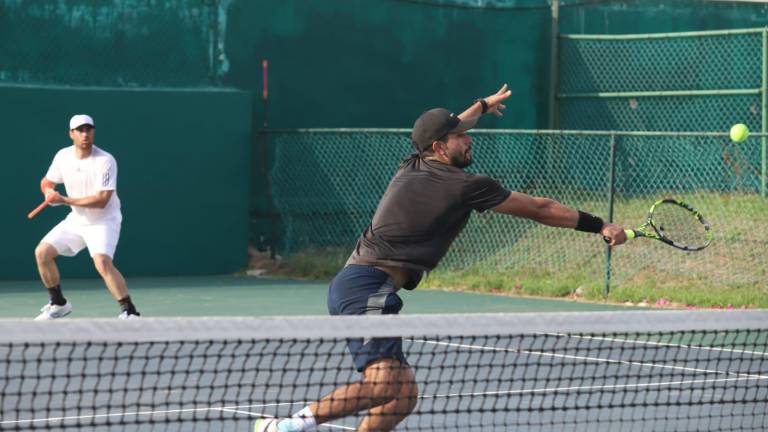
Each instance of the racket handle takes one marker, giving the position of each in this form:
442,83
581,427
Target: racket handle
40,208
630,235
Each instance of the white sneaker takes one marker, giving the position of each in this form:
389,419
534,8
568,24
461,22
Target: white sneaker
266,425
124,315
52,311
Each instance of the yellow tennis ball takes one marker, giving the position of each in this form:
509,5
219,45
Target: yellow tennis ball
739,132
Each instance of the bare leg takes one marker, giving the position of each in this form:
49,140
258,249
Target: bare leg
387,386
385,417
112,277
45,255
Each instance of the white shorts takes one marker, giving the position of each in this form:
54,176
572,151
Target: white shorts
70,237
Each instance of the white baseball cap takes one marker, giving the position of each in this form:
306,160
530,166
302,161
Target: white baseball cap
79,120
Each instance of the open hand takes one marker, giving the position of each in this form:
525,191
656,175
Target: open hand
494,101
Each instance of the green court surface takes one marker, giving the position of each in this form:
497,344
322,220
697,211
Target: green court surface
249,296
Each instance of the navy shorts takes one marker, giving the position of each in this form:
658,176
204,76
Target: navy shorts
366,290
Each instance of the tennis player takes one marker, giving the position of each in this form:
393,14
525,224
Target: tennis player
89,175
425,206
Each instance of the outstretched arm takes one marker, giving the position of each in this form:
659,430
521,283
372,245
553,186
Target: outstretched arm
494,102
550,212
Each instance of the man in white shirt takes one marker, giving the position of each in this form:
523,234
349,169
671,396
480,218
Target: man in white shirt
89,175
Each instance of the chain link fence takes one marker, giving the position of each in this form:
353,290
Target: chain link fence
326,185
698,81
117,43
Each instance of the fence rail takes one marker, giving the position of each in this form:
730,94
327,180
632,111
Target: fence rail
699,81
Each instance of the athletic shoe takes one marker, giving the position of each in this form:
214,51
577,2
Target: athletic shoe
126,316
270,424
52,311
265,425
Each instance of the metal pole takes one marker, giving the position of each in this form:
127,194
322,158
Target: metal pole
214,67
553,65
265,159
764,117
611,193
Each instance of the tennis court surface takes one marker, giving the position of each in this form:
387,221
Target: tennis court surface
585,371
226,295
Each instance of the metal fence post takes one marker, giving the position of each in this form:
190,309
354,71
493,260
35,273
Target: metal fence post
554,56
764,116
611,193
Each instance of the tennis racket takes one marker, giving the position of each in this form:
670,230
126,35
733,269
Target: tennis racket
675,223
42,205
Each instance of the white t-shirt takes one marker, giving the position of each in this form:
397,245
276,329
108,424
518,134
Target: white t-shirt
86,177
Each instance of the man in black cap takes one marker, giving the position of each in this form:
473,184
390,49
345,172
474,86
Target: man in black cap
425,206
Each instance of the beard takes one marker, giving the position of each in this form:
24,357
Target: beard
461,160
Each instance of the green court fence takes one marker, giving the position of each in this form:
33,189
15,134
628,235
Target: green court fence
326,185
695,81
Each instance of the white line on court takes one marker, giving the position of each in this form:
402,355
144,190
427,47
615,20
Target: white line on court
693,347
594,387
586,358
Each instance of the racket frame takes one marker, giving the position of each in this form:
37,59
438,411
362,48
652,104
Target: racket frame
656,234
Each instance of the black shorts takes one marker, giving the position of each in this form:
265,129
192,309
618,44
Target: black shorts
366,290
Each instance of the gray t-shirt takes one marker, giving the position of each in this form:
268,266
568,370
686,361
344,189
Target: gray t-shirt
424,208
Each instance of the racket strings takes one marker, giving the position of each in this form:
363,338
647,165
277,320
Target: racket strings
679,225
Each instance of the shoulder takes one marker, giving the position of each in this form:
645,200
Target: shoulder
478,178
64,155
103,154
482,192
65,152
474,183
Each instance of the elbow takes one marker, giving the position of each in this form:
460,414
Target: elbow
103,200
543,209
543,206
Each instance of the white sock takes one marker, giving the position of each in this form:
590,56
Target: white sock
290,425
307,419
302,421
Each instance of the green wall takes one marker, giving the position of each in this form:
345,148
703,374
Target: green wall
341,63
121,43
183,175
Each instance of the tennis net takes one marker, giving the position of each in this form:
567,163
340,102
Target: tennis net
628,370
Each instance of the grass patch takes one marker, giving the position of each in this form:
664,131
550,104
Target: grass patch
530,283
320,264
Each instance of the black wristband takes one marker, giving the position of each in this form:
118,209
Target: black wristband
483,103
589,223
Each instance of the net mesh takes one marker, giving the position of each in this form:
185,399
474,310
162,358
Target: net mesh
678,371
326,185
683,63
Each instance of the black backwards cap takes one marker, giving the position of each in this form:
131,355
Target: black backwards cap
435,124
